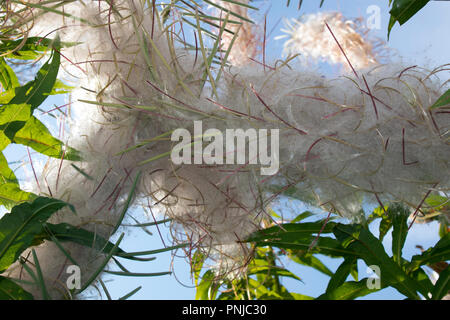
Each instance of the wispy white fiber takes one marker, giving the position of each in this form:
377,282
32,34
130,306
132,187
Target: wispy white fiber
369,136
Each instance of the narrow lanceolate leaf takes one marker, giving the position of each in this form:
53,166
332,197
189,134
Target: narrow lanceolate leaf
440,252
205,290
291,231
35,92
196,265
19,228
403,10
341,274
307,259
30,49
399,232
370,249
348,291
442,286
262,267
9,290
64,232
8,78
301,237
34,134
443,100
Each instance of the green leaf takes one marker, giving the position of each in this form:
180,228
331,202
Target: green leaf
301,237
443,100
348,291
6,174
341,274
35,92
30,49
11,195
19,228
8,78
9,290
128,295
370,249
292,231
442,286
263,267
399,232
440,252
302,216
10,192
34,134
307,259
12,118
64,232
206,290
196,265
403,10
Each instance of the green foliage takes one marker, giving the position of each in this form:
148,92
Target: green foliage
403,10
26,226
443,101
9,290
302,241
19,228
17,104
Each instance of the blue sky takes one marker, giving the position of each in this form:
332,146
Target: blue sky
420,41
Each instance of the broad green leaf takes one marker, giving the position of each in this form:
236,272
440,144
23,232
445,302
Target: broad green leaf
436,201
443,100
8,78
442,286
6,96
403,10
19,228
341,274
12,118
348,291
370,249
34,134
6,174
9,290
425,285
11,194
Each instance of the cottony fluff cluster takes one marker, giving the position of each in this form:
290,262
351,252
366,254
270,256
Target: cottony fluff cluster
311,38
246,43
368,136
